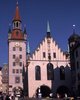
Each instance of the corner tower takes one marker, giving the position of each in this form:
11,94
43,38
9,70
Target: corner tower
17,52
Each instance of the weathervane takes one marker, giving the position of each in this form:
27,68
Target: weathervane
74,28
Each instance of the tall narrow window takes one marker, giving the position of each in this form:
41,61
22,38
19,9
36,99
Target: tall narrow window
44,55
20,49
50,71
16,24
14,48
62,73
54,55
17,79
37,73
14,56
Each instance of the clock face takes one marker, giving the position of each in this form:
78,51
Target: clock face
17,44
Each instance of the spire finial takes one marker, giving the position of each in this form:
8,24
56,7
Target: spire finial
17,3
48,26
24,28
9,31
74,28
28,48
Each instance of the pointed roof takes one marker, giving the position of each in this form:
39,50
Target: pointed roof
74,36
17,15
28,48
48,26
48,30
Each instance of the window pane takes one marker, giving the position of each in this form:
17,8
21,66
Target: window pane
17,70
50,71
20,63
14,63
37,73
17,79
62,73
13,56
44,55
14,48
20,56
20,49
54,55
13,70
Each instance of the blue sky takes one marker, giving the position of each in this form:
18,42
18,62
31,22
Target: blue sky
62,14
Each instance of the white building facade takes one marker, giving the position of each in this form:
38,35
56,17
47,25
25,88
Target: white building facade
17,52
49,68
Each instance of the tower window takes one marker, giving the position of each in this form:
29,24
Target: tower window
20,49
14,63
17,79
13,70
20,56
20,63
14,48
16,24
20,70
17,70
14,56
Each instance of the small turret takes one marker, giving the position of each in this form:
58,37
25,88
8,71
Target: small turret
9,32
74,38
25,33
48,30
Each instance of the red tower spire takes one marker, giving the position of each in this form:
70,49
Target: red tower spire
17,15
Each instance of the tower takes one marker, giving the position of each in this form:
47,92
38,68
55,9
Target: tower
17,52
74,41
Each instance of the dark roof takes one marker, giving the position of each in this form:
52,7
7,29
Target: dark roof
0,68
74,37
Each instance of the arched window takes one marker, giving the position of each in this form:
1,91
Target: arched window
16,24
37,73
62,73
50,71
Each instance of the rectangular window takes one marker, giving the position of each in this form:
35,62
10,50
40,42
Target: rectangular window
49,56
54,55
17,70
62,73
20,49
20,56
20,63
20,70
17,79
14,64
13,70
14,49
14,56
44,54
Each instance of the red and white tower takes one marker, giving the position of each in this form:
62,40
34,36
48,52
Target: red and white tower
17,52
